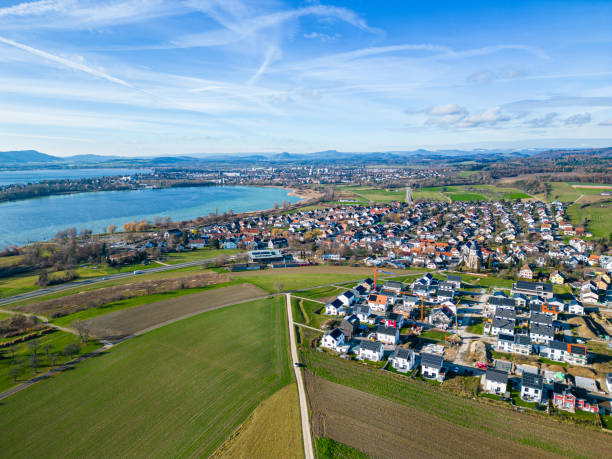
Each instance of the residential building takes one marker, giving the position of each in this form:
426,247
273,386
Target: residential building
387,335
333,339
403,360
431,365
496,381
532,387
371,350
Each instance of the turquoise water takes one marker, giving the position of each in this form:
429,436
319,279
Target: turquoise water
40,219
34,176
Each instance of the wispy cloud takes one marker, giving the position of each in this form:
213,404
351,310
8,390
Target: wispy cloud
272,53
64,62
455,116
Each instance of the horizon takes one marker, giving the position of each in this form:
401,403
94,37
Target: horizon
131,78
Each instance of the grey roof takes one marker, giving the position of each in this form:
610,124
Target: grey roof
394,284
522,339
386,330
431,360
504,313
504,324
453,278
496,375
402,353
541,318
534,287
558,345
504,337
502,301
336,333
364,309
337,303
532,381
541,329
374,346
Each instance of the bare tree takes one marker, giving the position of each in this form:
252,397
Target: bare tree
34,345
112,228
16,371
83,330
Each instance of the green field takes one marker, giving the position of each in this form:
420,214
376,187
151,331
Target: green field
375,194
179,390
271,280
196,255
564,192
598,216
497,422
467,197
56,341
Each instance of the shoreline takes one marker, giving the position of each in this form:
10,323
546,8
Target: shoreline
306,196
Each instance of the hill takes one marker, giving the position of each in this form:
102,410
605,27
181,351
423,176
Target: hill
26,156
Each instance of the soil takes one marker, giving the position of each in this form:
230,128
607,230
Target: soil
119,324
382,428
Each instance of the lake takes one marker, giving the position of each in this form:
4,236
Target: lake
40,219
38,175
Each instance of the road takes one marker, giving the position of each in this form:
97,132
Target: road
308,451
95,280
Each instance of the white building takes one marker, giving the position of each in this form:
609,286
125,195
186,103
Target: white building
333,339
403,360
496,381
371,350
532,387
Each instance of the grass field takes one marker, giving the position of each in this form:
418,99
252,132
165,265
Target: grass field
330,449
375,194
180,390
196,255
598,216
11,260
273,430
563,191
56,341
467,424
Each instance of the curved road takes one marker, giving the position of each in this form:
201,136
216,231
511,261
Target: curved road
308,451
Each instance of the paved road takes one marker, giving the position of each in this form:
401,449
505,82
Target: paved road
308,451
95,280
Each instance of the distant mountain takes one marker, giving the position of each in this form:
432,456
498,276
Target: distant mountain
26,156
89,158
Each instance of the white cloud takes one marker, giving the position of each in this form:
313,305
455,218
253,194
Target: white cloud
452,115
272,53
579,119
543,121
64,62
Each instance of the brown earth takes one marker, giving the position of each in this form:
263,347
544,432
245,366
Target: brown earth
593,187
585,327
119,324
70,304
381,428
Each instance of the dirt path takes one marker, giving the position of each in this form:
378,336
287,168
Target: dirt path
308,450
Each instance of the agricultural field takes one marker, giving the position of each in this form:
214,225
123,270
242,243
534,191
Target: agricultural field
391,405
10,260
597,215
179,390
273,430
50,353
469,193
570,191
124,322
301,278
374,194
91,313
197,255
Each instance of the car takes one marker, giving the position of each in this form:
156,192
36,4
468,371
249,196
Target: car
137,272
297,364
105,278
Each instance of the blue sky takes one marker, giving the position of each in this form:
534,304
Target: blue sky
151,77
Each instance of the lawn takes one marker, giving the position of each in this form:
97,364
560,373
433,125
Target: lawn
179,390
598,216
287,279
375,194
493,425
308,312
330,449
196,255
16,285
10,260
563,191
56,341
467,197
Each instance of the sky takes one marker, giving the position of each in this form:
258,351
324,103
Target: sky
172,77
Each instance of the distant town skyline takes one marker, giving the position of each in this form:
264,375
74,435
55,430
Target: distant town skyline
137,77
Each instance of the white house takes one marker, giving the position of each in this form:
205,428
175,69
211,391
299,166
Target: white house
387,335
560,351
335,308
431,365
378,303
532,387
496,381
363,312
333,339
575,307
348,298
403,360
541,333
371,350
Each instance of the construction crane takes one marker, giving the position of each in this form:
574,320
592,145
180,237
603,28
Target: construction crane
376,270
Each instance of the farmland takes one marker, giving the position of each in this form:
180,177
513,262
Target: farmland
179,390
469,425
273,430
125,322
597,215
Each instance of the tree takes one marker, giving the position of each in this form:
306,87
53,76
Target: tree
34,345
43,279
112,228
16,371
83,330
53,358
34,362
71,349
